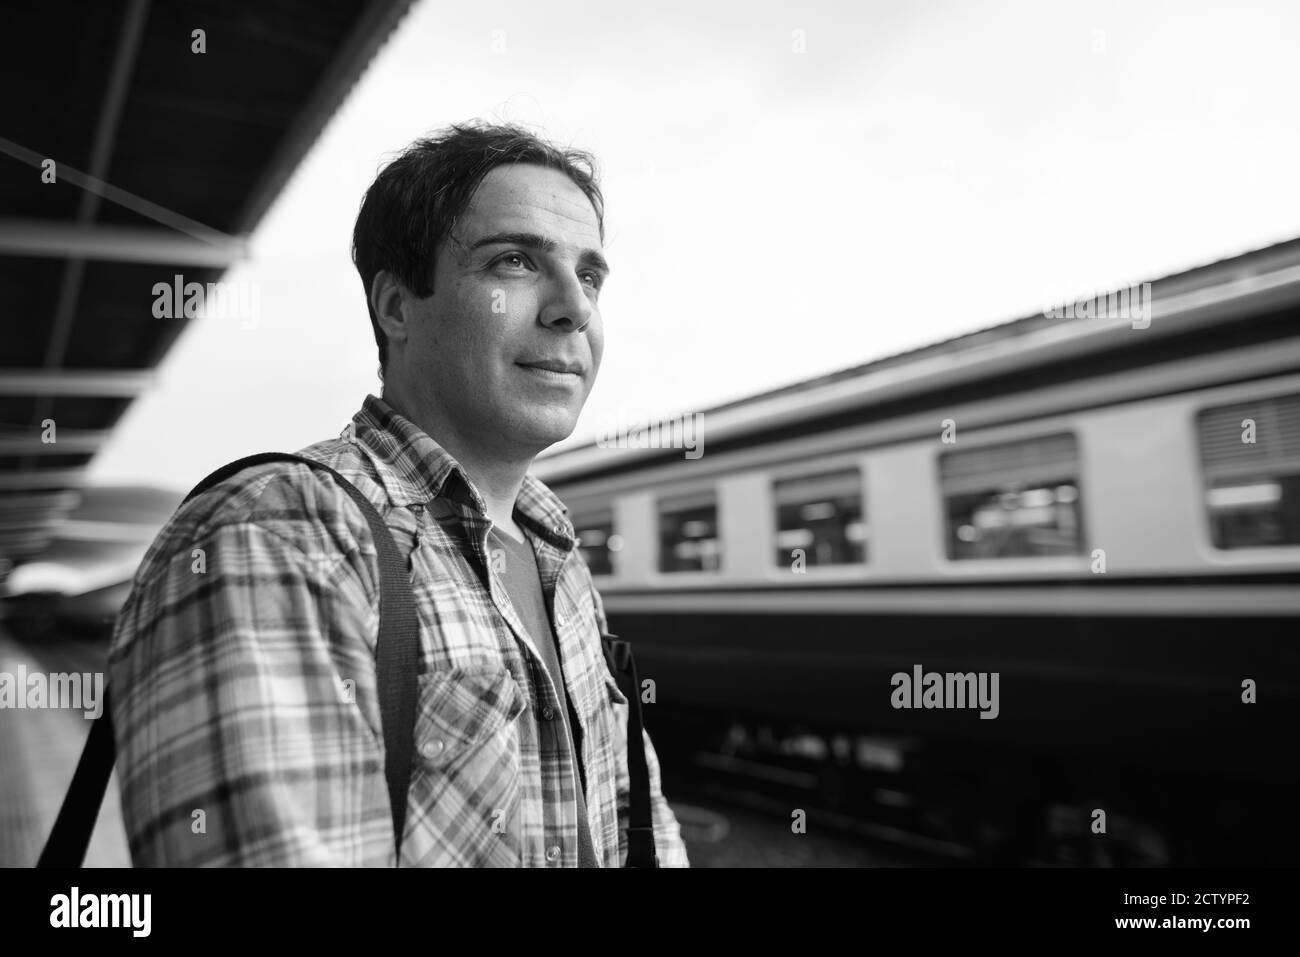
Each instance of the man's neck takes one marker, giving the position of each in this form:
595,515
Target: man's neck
497,478
498,482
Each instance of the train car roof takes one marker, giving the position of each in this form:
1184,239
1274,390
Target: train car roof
1197,307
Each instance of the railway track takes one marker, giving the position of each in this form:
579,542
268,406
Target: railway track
929,813
811,797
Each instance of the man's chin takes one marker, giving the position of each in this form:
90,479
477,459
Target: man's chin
541,431
554,439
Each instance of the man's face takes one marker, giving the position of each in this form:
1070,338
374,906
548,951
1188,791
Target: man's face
506,349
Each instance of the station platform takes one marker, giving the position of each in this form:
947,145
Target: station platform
39,749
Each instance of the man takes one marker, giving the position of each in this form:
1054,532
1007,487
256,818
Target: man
245,700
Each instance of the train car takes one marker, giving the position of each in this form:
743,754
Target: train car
1062,554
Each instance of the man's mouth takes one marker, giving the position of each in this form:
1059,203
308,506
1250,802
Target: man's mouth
559,370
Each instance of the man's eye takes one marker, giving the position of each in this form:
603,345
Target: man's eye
594,277
512,258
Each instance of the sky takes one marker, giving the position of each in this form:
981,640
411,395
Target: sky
791,189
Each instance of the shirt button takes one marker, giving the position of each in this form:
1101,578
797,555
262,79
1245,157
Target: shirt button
553,853
548,713
431,749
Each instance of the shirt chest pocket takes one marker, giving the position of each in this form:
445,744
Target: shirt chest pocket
465,788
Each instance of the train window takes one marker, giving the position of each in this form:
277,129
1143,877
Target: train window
1014,500
597,540
1250,455
821,516
688,533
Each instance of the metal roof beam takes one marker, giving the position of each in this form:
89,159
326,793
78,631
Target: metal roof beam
40,521
45,478
136,244
65,500
25,542
67,442
74,268
109,383
125,533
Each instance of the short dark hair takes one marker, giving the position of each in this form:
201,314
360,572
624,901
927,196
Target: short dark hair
416,199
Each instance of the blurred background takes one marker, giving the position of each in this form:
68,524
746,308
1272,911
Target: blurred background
842,235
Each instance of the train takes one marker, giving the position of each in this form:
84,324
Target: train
1051,565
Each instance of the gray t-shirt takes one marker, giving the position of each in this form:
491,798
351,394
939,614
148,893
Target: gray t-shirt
523,584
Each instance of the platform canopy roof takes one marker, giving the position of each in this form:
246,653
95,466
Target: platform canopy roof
126,155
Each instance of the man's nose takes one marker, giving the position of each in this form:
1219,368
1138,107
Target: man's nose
568,308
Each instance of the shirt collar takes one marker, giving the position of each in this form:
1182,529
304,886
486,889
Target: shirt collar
416,470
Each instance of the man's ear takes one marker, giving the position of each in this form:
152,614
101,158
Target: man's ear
386,298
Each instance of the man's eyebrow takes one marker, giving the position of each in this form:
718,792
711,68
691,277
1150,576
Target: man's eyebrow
588,257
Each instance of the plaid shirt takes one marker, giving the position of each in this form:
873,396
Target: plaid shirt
243,678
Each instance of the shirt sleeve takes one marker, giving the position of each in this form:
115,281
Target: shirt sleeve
236,670
669,847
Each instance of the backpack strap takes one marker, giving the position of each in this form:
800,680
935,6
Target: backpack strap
622,665
67,843
396,665
640,825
